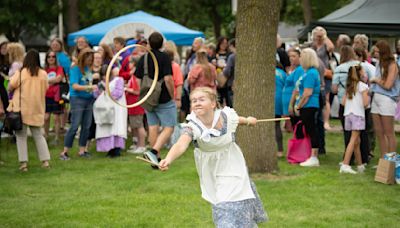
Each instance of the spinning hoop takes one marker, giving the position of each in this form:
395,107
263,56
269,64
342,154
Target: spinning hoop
153,85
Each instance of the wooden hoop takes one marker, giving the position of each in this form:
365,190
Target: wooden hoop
153,85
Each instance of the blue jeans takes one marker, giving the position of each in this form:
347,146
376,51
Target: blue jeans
81,115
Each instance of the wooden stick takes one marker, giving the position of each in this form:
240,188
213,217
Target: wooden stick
273,119
148,161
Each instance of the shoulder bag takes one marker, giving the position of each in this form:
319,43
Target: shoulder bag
13,120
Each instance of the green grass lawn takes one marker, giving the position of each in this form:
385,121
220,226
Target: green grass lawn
125,192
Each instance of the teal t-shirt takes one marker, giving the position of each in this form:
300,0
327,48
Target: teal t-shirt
76,77
310,80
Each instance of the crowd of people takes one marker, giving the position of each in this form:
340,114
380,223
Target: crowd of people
199,91
307,78
367,86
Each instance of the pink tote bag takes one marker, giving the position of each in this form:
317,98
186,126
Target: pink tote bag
299,150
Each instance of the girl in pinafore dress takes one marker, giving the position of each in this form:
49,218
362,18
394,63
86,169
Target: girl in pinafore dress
220,164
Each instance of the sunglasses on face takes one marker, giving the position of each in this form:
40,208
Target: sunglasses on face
51,56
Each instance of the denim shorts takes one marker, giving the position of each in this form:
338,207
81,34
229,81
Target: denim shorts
383,105
164,115
354,123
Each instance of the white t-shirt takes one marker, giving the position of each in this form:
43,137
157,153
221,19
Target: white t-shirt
356,105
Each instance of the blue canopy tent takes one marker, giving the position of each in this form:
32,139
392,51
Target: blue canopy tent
127,26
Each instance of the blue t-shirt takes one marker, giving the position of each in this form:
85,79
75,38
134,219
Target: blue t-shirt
291,80
310,80
64,61
280,77
76,77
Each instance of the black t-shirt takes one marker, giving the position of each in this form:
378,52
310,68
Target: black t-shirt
165,68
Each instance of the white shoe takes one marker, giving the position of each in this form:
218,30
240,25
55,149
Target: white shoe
361,168
311,161
132,147
346,169
138,150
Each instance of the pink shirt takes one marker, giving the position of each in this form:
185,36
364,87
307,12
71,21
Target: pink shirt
197,77
176,76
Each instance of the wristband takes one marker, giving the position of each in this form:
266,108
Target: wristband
248,121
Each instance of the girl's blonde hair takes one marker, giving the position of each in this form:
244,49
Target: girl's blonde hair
354,76
202,59
308,58
212,94
15,52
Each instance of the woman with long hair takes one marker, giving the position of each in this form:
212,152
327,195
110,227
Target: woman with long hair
29,86
383,106
203,73
225,94
81,100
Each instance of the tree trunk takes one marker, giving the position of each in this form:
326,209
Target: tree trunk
307,11
257,23
73,16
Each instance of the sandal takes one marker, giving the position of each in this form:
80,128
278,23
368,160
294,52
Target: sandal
45,164
64,157
23,167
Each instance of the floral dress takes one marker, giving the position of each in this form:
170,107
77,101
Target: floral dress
222,170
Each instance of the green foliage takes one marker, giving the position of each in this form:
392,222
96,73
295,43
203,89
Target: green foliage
125,192
180,11
33,17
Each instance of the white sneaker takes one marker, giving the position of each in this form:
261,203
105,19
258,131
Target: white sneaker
132,147
139,150
346,169
361,168
311,161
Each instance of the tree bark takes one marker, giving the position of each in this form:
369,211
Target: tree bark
307,11
257,23
73,16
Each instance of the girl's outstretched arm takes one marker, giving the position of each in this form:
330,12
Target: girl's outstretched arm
176,151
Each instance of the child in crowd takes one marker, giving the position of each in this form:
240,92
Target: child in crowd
110,137
224,179
132,90
355,101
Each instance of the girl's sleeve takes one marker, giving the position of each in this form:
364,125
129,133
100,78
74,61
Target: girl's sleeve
233,117
187,129
119,88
